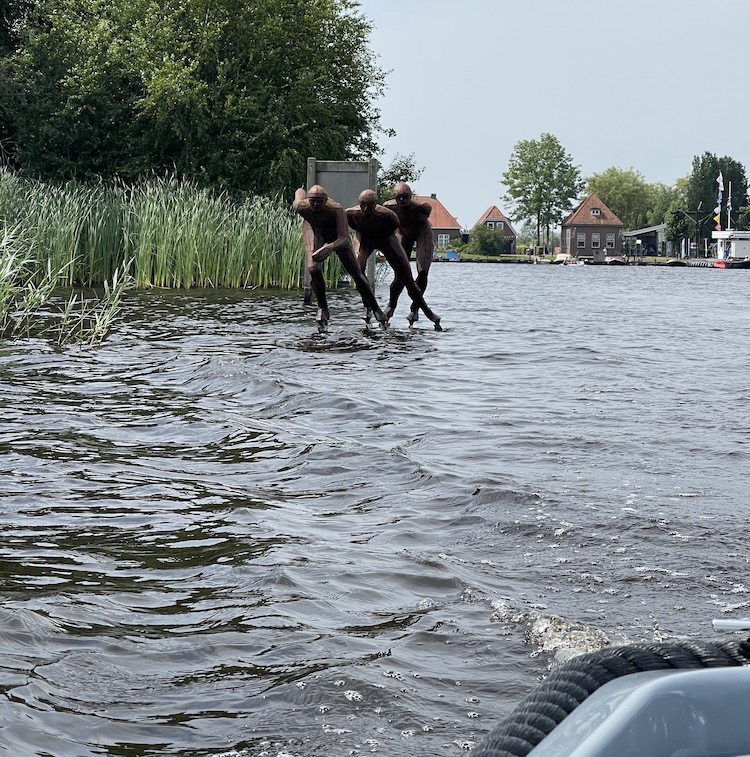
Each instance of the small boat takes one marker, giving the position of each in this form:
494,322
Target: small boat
563,258
615,260
733,263
688,699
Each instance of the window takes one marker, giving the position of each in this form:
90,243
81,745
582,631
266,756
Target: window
443,240
595,241
595,212
490,224
610,241
581,242
499,225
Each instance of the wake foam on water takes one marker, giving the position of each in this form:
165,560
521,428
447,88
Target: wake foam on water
551,635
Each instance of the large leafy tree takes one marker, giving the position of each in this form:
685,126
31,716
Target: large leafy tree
661,198
12,15
678,224
701,194
635,202
402,168
238,92
624,192
542,183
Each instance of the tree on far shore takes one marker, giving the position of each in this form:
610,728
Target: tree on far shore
630,197
703,188
402,168
542,183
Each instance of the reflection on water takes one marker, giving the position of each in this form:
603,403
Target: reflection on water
224,532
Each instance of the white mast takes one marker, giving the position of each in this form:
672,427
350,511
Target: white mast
729,208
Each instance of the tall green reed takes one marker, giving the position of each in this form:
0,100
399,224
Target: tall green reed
29,299
177,234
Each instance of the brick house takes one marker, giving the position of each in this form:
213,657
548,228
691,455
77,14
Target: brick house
444,226
591,232
495,220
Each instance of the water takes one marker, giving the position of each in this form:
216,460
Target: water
224,534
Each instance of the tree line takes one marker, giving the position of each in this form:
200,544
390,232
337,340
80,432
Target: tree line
544,185
222,92
238,93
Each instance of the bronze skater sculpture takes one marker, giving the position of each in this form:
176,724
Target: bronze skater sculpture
376,227
325,230
414,231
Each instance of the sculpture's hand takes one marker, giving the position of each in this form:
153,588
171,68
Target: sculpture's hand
321,254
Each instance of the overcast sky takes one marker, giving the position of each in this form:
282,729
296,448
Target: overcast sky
642,84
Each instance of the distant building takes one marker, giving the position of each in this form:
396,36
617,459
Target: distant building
444,226
732,244
495,220
646,241
591,232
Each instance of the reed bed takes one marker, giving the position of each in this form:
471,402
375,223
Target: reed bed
176,234
30,304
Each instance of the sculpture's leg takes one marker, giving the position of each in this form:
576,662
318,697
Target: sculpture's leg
318,285
349,261
398,260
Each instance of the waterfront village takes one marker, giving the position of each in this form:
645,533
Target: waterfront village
590,235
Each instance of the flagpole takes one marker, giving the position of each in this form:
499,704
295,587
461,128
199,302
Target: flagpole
729,208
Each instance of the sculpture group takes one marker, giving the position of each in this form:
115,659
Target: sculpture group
394,228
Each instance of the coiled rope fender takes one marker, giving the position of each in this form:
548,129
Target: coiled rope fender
563,690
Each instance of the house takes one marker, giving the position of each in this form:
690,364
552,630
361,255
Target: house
591,232
444,226
494,219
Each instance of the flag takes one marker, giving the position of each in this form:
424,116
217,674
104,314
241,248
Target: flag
720,181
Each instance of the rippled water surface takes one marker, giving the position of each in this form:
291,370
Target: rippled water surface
223,533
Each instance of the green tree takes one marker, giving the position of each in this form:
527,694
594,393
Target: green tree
624,192
487,242
635,202
402,168
221,91
12,13
678,225
542,183
701,195
661,198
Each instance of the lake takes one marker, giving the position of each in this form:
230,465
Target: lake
227,534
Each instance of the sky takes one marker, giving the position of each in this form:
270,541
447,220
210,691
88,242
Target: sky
641,84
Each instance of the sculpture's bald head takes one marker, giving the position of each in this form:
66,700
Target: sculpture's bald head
367,200
317,196
402,193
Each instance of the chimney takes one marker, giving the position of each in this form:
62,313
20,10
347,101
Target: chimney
433,196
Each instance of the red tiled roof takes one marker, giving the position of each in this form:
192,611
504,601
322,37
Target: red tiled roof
582,215
440,218
494,214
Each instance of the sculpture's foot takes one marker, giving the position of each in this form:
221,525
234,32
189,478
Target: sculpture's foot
382,319
389,311
412,317
322,319
367,315
438,327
